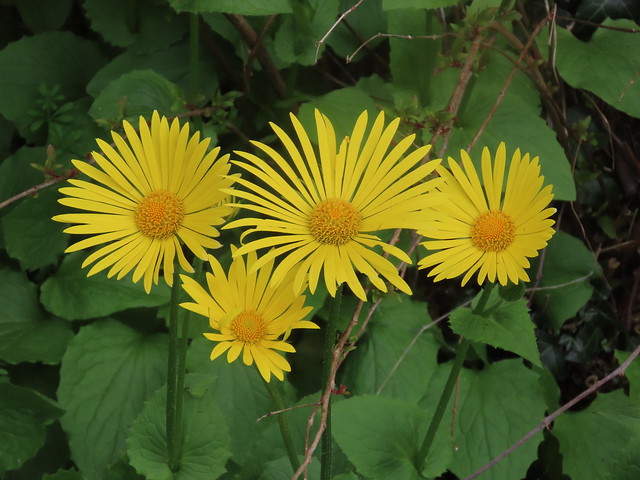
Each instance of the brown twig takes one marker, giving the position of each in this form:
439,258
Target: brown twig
326,35
534,73
36,188
248,69
598,25
507,83
393,35
338,356
252,39
631,82
411,345
284,410
547,420
458,92
361,41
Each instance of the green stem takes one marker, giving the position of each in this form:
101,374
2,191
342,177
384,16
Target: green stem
484,298
180,367
283,421
449,386
181,360
329,343
175,378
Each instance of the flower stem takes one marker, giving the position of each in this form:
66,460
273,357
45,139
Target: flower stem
175,378
329,343
275,392
181,359
449,386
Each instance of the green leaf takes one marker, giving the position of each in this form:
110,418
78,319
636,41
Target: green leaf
381,437
311,19
247,7
565,286
122,470
72,295
107,373
597,10
632,373
368,20
24,414
63,475
520,106
347,476
593,439
136,93
512,291
30,236
74,134
239,394
342,106
401,4
394,347
42,15
17,175
169,63
243,400
281,468
411,79
626,465
6,137
144,25
52,58
549,388
204,452
497,406
505,325
26,334
599,65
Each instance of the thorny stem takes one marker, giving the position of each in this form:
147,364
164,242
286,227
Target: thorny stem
329,343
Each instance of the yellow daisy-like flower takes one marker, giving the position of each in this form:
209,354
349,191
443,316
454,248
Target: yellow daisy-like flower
252,316
321,209
151,192
482,230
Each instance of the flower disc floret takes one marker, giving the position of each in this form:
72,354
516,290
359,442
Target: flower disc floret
249,327
159,214
334,222
248,314
493,232
148,193
489,228
321,209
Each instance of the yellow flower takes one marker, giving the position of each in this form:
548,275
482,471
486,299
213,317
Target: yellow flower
481,230
322,209
252,316
156,190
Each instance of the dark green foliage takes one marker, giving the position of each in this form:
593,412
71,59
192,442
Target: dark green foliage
83,359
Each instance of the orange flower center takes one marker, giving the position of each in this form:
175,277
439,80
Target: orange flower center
249,327
493,232
159,214
334,222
